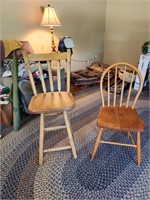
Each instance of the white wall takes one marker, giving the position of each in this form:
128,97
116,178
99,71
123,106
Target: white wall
83,20
127,28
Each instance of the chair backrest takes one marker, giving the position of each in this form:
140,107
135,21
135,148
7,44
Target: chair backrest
121,74
48,61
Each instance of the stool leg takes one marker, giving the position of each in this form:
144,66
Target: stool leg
67,122
41,139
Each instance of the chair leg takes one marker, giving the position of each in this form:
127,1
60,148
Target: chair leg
67,122
138,149
131,137
96,143
41,139
128,134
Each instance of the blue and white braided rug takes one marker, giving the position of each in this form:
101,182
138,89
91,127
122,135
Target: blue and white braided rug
112,175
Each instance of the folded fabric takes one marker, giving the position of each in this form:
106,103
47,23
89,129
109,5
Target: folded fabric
26,47
10,45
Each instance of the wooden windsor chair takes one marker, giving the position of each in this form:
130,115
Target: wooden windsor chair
51,102
118,111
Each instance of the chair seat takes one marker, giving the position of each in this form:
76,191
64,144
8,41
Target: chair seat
51,101
120,118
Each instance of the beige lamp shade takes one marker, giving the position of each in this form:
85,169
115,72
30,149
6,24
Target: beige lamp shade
50,18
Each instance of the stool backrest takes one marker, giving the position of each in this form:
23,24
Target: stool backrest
48,62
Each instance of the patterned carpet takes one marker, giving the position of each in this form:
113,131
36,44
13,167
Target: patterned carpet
112,175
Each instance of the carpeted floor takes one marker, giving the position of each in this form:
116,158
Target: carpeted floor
112,175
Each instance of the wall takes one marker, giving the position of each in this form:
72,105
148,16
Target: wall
83,20
127,28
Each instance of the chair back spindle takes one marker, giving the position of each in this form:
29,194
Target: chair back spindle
68,72
50,76
58,76
41,77
122,87
129,91
30,76
115,87
108,86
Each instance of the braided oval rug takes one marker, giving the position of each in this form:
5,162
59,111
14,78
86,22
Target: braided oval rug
112,175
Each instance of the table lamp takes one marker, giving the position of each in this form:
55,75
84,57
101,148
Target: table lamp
50,19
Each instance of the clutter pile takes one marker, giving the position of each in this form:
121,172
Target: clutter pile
90,75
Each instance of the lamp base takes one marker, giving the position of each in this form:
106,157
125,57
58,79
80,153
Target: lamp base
53,46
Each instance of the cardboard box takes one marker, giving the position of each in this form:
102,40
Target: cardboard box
144,64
